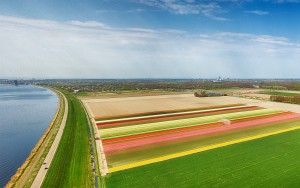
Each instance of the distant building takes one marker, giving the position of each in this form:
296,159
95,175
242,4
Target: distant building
218,80
16,82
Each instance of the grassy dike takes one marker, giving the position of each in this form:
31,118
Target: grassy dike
71,165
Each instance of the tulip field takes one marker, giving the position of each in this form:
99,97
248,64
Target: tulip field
128,145
195,147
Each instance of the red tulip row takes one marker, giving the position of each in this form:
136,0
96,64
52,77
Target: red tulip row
141,140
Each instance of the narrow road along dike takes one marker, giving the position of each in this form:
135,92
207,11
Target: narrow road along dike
47,162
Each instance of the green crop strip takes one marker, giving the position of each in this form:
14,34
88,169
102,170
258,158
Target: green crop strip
280,93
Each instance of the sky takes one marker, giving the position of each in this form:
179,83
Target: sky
149,38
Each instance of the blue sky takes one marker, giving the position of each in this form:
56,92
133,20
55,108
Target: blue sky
150,38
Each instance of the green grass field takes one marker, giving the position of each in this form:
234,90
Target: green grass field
71,164
279,93
268,162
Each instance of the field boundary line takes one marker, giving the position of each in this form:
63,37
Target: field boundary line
99,146
50,155
197,150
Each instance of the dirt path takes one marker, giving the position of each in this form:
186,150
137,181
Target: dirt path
46,164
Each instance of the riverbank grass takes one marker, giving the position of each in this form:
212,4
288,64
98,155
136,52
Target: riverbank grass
71,164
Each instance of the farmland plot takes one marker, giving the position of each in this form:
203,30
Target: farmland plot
153,139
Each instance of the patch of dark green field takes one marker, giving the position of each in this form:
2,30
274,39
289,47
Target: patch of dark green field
280,93
268,162
71,165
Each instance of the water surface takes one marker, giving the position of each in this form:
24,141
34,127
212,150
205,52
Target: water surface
25,113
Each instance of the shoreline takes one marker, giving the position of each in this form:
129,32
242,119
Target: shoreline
30,160
47,161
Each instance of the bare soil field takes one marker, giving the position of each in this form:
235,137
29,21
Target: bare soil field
114,107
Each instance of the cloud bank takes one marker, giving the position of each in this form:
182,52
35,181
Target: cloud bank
210,9
48,49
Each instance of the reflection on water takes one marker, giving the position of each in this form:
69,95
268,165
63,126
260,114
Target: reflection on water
25,113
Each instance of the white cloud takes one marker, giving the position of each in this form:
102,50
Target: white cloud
42,48
257,12
209,9
88,24
213,9
111,11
